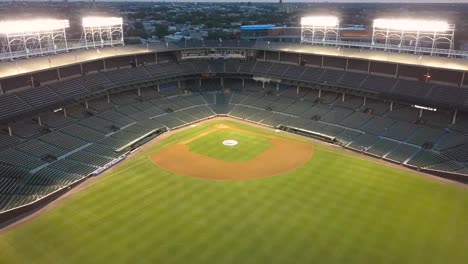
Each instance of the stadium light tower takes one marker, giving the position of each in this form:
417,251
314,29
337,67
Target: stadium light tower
413,35
25,38
102,31
320,29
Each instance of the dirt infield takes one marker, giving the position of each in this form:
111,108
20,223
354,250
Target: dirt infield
283,156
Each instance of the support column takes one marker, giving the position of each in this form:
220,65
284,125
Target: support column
462,79
368,67
347,62
158,88
343,97
321,65
86,104
365,100
108,97
454,119
420,113
391,106
1,90
32,82
156,57
243,82
297,91
81,67
277,87
300,59
178,84
58,74
139,91
10,132
64,111
263,85
320,93
39,121
104,65
396,71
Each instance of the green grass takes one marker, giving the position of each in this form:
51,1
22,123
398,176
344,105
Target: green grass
249,146
339,208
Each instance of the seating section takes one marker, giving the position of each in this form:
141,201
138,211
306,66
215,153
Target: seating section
352,79
95,82
364,142
425,158
83,86
41,96
401,153
382,147
379,84
11,105
69,89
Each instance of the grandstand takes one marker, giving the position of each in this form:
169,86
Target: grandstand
83,116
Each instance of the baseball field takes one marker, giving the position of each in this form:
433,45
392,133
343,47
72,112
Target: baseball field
228,192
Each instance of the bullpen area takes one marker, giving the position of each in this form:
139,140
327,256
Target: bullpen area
228,192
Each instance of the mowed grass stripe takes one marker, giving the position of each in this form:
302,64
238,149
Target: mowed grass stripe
339,208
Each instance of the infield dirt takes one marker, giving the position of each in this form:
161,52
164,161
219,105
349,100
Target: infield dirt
283,156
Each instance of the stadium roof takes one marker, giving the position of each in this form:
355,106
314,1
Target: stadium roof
9,69
389,57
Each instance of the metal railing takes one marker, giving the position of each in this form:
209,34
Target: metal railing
246,44
71,45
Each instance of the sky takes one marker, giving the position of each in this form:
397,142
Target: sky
284,1
311,1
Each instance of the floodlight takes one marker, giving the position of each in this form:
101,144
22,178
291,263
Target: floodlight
101,21
32,26
412,25
320,21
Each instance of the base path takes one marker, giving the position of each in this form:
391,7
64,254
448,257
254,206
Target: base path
283,156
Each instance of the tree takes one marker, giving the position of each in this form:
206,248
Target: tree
138,31
161,30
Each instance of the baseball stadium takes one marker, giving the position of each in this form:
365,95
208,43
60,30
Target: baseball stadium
239,151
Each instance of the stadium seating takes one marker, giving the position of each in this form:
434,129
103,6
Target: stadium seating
382,147
11,104
41,96
401,153
379,83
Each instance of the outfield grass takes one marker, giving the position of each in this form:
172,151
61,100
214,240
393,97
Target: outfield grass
339,208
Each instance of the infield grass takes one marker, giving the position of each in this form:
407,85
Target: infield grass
249,146
338,208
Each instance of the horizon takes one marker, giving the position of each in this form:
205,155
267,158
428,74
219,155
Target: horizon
267,1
